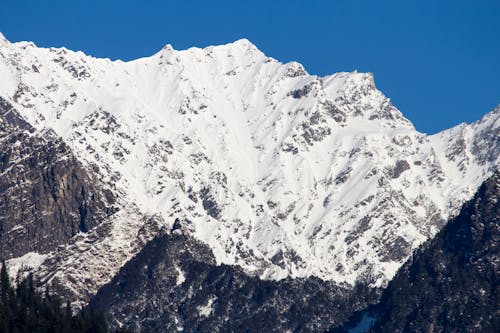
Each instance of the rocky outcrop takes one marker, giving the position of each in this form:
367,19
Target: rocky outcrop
46,196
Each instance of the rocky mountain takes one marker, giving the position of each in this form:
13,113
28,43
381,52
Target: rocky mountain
451,284
46,195
280,178
174,284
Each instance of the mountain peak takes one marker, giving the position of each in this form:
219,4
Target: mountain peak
247,136
168,48
243,44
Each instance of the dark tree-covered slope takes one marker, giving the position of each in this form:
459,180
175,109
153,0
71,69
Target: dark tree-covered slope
23,309
451,284
174,284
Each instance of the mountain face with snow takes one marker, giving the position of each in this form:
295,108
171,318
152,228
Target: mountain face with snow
451,284
47,196
279,173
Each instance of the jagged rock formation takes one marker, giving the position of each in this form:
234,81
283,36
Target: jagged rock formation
451,284
46,196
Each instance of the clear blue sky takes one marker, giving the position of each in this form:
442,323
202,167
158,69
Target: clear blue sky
439,61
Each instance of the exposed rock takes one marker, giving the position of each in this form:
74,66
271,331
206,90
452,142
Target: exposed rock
302,92
46,196
400,167
209,203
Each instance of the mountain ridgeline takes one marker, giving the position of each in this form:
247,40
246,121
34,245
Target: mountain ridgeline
218,189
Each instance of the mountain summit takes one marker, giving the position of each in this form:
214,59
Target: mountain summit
281,173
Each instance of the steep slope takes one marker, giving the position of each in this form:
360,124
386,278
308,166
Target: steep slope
285,174
46,196
56,218
451,284
174,285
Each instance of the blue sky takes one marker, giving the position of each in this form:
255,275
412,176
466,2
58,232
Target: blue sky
439,61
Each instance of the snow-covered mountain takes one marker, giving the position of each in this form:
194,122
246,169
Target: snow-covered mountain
282,173
451,283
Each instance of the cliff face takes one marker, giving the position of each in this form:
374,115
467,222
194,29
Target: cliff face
451,284
46,196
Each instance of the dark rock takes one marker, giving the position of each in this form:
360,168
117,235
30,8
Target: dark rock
288,147
209,203
395,250
46,195
400,167
302,92
343,176
313,134
338,115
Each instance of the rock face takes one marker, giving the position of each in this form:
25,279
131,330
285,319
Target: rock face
174,284
452,283
46,196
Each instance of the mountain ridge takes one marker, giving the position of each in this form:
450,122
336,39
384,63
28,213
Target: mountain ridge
285,174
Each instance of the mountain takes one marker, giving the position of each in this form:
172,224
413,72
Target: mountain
451,284
46,194
282,178
174,284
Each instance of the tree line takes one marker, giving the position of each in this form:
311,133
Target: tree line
25,309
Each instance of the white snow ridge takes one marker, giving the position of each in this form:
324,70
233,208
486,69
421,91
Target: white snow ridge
283,173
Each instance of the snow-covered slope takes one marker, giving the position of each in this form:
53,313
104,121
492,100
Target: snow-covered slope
283,173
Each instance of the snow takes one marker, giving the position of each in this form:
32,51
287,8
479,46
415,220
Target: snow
300,167
31,261
180,276
90,261
3,40
206,310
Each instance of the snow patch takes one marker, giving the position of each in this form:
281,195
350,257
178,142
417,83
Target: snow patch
31,261
180,276
206,310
